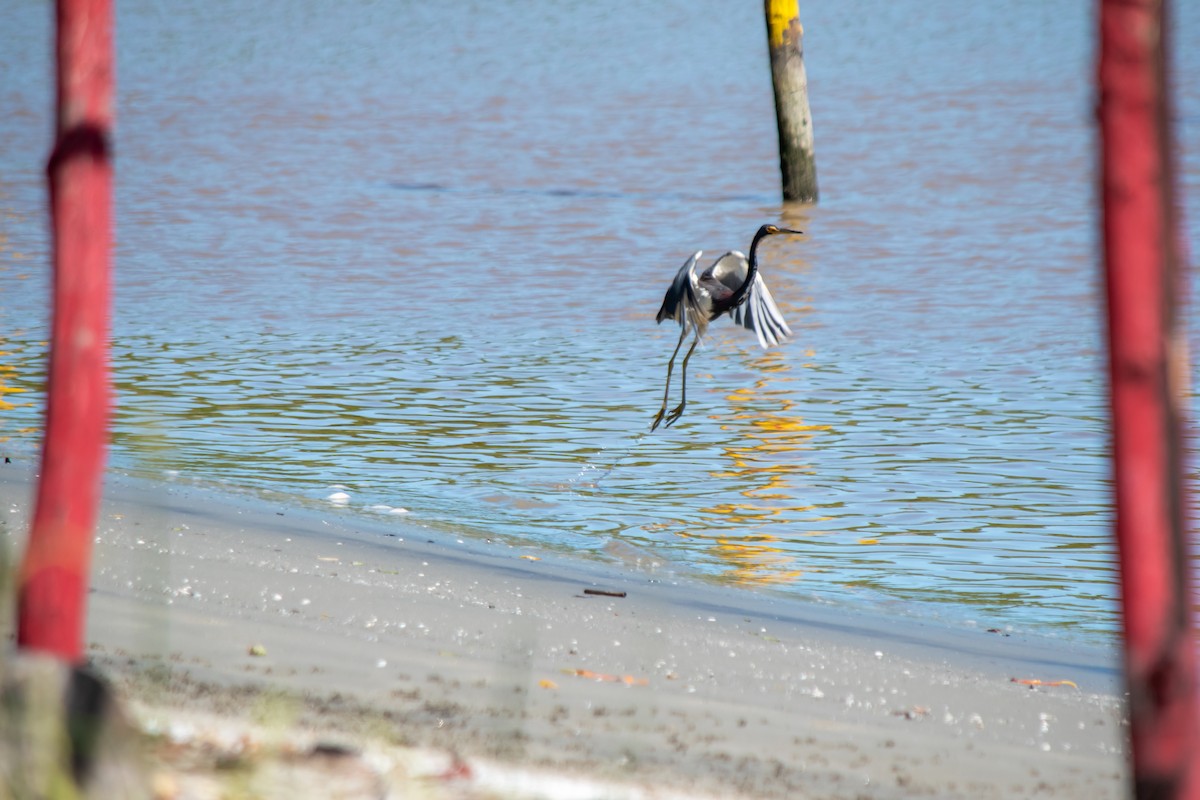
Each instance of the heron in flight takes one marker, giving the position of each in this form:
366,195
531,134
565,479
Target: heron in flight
731,286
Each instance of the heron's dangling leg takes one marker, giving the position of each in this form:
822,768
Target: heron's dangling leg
677,412
667,390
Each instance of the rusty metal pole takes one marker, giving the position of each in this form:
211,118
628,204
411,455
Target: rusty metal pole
797,157
1149,384
54,572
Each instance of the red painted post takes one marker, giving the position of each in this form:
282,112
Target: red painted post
54,572
1149,383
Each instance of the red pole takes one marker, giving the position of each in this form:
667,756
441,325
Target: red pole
1148,371
54,573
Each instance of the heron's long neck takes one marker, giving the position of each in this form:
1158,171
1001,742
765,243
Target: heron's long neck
751,271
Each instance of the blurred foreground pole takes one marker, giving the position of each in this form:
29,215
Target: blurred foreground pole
797,159
1149,384
54,573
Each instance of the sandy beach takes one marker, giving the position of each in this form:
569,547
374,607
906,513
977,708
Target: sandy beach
534,674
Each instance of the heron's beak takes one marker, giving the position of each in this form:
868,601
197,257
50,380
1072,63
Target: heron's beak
788,230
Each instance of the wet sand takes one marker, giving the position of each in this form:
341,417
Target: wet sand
226,607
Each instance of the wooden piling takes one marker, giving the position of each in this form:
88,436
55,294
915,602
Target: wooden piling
54,572
1148,368
797,157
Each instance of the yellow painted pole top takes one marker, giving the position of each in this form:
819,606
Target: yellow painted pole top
780,16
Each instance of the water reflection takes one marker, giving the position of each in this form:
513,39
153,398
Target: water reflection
17,400
766,465
9,375
21,370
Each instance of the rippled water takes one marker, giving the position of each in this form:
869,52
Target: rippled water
416,251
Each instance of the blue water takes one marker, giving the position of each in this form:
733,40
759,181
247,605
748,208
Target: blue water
416,251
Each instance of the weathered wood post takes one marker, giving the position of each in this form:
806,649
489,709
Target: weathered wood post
54,573
1149,383
797,158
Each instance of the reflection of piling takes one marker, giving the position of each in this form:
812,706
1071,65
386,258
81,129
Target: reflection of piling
797,160
1149,393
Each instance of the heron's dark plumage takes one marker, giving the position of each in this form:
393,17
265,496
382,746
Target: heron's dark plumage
731,285
681,295
695,299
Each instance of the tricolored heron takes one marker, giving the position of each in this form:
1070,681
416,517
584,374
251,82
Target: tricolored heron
731,286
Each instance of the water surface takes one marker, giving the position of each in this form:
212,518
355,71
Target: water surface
416,252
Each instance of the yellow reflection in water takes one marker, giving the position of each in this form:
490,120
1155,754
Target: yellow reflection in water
764,465
8,349
9,393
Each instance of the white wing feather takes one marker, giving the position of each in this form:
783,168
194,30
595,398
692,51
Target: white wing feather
760,314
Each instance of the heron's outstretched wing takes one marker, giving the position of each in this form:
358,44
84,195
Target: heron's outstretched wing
680,299
760,314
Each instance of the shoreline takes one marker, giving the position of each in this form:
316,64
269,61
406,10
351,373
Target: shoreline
493,651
